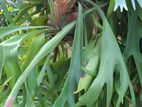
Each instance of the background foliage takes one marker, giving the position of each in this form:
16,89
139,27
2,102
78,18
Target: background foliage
78,53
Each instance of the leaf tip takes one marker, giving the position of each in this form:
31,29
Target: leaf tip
9,102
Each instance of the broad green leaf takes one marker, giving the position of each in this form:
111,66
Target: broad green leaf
110,59
90,69
133,40
10,58
75,65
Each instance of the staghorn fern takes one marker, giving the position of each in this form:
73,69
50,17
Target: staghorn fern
40,68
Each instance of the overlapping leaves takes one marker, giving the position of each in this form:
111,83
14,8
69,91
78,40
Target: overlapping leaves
105,77
75,66
46,49
110,62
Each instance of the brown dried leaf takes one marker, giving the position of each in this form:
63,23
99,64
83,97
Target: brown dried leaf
61,7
